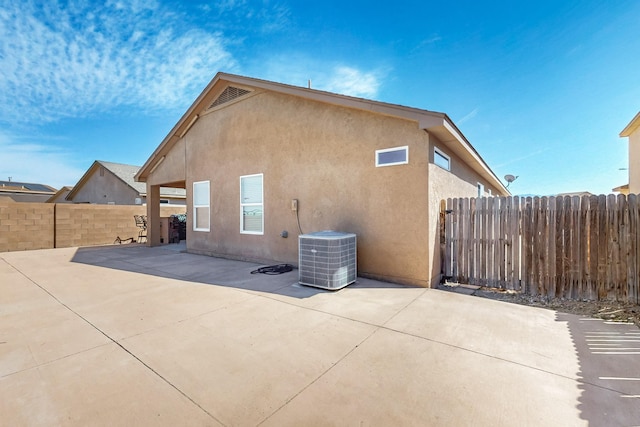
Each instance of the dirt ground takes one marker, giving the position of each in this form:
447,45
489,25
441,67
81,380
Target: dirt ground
607,310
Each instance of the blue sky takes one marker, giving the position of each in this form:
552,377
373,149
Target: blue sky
540,88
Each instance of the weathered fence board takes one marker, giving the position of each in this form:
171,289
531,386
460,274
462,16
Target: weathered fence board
565,247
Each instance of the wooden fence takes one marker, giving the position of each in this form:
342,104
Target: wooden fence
566,247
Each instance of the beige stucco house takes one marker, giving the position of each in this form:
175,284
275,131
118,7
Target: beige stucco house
632,131
107,183
263,162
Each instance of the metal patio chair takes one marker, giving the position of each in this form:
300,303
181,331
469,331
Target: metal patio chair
141,223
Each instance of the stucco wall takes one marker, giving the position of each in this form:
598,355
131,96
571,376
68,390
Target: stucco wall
105,189
172,168
324,156
461,181
634,162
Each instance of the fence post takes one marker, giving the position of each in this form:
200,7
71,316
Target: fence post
633,262
443,240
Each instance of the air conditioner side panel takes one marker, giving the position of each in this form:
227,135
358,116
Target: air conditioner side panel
327,263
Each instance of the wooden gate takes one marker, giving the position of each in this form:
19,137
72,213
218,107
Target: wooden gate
566,247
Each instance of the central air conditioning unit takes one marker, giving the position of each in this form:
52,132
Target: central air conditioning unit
327,259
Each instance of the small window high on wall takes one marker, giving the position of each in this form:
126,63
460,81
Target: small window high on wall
251,205
201,215
392,156
441,159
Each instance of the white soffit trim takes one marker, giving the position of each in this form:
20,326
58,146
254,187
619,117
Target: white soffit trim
631,127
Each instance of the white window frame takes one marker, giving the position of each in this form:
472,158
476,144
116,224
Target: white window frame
404,148
254,204
480,189
202,205
439,152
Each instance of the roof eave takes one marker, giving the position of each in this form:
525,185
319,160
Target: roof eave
81,182
631,127
427,120
174,134
477,162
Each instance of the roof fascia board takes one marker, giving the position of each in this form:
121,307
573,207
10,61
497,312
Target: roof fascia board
426,119
631,127
410,113
173,135
16,191
485,170
421,116
82,181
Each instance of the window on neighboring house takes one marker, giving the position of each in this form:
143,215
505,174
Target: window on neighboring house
480,190
201,217
441,159
251,204
392,156
164,201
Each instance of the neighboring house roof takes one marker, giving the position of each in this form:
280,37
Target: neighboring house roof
575,193
624,189
60,194
14,186
438,124
632,126
25,191
126,174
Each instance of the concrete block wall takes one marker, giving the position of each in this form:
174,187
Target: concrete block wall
26,226
88,225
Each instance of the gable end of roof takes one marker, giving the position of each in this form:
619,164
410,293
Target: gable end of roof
631,127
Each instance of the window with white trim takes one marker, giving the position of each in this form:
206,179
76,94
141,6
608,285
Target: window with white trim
251,204
480,190
441,159
392,156
201,216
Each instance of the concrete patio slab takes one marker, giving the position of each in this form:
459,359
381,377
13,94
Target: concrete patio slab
131,335
103,386
422,382
245,361
491,327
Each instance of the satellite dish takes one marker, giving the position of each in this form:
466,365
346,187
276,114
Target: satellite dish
509,178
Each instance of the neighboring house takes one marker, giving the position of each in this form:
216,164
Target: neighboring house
632,131
107,183
60,196
25,192
575,194
259,159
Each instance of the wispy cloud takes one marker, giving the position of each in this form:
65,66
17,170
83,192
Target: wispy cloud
298,69
521,158
26,161
261,17
63,61
351,81
426,43
468,116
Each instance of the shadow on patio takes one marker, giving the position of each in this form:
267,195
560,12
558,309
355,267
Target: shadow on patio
173,262
607,352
